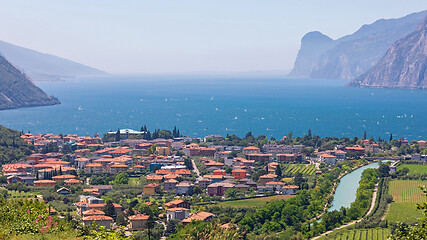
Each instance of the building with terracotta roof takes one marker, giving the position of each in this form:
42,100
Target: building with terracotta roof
92,212
151,188
251,150
177,213
73,182
199,216
154,178
183,172
178,203
267,178
62,178
327,158
219,188
259,156
100,220
138,222
118,168
238,173
39,183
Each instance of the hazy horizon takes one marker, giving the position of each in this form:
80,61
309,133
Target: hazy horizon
185,37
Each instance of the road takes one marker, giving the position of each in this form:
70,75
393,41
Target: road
374,198
195,169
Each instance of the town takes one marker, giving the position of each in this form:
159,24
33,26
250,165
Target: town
137,183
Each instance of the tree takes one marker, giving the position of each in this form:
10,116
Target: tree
309,133
120,220
384,170
121,178
391,137
299,179
117,135
231,193
364,135
171,227
188,163
109,209
279,171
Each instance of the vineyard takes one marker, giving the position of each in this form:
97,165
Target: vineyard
300,168
360,234
407,191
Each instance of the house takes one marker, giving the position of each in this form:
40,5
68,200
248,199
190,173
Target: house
199,216
271,186
242,187
219,172
118,168
290,189
178,204
264,179
204,183
238,173
73,182
151,188
286,157
327,158
138,222
92,212
251,150
170,184
154,178
102,188
177,213
39,183
214,178
100,220
27,179
95,168
64,191
259,157
222,154
219,188
184,187
62,178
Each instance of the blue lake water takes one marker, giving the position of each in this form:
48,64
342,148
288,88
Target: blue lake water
346,190
202,105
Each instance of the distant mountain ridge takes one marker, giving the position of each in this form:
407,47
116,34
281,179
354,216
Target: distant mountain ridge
17,90
351,56
403,66
41,67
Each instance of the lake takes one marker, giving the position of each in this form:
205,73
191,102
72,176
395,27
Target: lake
202,105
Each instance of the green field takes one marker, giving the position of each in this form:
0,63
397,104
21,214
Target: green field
302,168
414,168
254,202
359,234
407,191
406,194
404,212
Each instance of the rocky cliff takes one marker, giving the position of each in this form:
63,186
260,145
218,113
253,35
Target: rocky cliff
350,56
403,66
17,90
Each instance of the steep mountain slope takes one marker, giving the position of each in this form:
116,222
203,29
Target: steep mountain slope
403,66
40,66
350,56
313,44
17,90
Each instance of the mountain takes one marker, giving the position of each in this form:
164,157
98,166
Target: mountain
403,66
350,56
41,67
313,44
17,90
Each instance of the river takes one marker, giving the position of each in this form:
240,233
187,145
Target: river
347,188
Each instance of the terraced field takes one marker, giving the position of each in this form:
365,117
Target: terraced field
360,234
302,168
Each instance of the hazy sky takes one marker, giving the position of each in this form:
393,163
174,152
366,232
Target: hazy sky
158,36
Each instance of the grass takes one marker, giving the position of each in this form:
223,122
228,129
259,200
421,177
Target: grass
414,168
254,202
404,212
406,194
134,181
359,234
